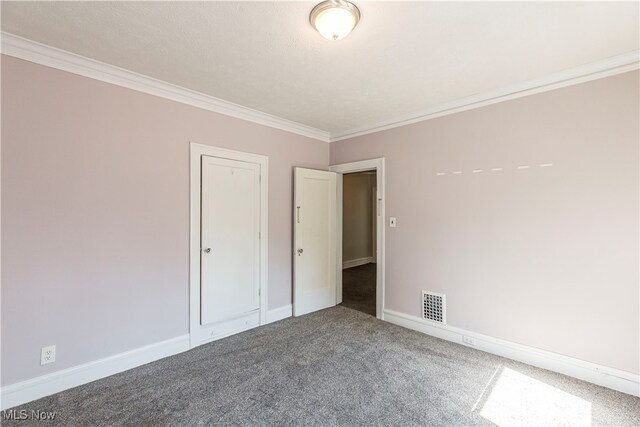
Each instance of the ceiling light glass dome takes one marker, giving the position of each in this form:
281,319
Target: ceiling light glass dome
334,19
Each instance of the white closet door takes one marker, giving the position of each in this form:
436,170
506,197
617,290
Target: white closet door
315,240
230,254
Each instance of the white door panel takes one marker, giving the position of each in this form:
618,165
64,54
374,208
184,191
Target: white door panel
315,240
230,260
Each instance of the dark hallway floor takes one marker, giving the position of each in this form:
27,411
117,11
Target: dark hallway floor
359,288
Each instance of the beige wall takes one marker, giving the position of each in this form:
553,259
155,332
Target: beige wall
546,257
357,224
95,214
95,192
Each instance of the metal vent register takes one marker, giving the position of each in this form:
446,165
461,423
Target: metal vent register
434,307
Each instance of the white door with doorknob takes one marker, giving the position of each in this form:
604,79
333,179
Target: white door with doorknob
230,239
314,258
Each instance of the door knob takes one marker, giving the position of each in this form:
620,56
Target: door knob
206,250
300,250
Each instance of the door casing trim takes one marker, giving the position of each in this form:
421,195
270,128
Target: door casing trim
196,152
361,166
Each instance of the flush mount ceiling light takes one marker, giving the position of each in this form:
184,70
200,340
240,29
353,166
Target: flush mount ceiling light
334,19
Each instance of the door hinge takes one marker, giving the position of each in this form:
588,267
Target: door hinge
259,235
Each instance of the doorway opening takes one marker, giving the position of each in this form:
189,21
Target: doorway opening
359,241
371,165
318,236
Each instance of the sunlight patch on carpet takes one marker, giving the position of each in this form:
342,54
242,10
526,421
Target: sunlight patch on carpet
512,398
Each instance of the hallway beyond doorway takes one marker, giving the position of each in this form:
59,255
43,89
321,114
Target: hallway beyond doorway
359,288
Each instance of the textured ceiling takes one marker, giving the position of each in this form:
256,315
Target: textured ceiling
402,57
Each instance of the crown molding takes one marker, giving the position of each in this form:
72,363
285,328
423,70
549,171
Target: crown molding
583,73
42,54
39,53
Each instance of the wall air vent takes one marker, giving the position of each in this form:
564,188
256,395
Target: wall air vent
434,307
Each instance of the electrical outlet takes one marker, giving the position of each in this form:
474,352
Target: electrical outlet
468,340
48,355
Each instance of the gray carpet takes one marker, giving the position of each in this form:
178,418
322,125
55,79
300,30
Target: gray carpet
337,367
359,288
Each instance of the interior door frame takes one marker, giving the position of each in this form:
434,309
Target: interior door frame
362,166
196,152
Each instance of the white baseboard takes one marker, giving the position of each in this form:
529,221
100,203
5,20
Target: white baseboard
605,376
35,388
357,262
46,385
279,313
